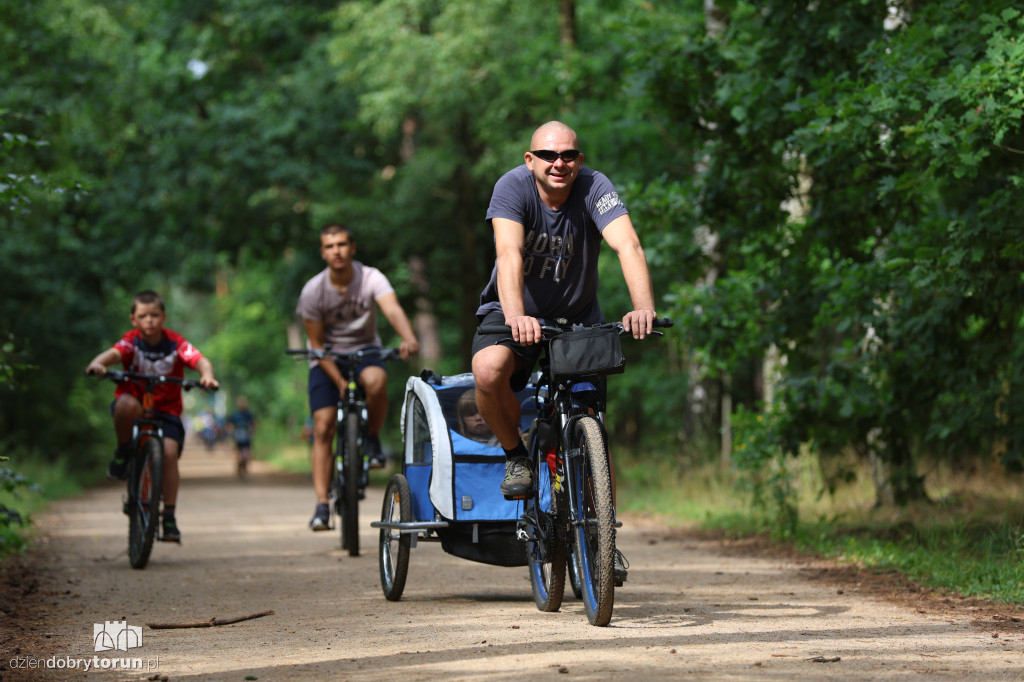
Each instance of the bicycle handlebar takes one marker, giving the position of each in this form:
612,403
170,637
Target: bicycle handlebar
548,330
119,376
318,354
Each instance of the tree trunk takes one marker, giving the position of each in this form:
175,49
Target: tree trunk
474,260
715,21
424,321
896,480
567,23
726,430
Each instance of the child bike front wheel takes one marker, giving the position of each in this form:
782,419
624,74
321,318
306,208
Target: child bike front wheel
145,484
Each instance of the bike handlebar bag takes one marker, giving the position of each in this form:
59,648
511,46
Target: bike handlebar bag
594,351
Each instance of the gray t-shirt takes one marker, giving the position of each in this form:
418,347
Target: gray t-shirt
560,247
350,318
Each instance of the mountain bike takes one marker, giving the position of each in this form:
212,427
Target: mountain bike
351,465
570,510
146,468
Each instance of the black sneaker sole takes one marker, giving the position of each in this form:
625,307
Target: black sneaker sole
516,492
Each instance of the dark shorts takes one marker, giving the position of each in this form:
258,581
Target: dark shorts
529,354
322,391
172,426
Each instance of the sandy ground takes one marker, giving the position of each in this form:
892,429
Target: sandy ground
694,608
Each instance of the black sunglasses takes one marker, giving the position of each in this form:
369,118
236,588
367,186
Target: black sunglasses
569,155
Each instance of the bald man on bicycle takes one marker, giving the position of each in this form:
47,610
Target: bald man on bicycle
549,217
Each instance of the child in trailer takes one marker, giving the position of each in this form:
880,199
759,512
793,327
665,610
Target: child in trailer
471,424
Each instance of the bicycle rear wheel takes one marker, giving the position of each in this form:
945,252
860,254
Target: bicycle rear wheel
573,569
394,545
546,551
353,473
546,556
594,530
145,486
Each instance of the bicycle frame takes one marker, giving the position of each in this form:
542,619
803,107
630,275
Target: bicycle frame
352,401
582,511
143,428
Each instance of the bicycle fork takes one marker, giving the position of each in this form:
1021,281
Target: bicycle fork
342,437
131,497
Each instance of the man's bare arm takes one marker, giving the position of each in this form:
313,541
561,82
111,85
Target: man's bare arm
399,321
622,237
315,332
509,237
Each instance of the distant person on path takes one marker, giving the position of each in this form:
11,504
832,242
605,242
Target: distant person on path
338,307
150,348
243,427
549,216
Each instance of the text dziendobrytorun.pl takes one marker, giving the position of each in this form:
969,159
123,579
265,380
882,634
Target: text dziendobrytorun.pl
84,664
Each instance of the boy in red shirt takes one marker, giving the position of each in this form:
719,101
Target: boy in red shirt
152,349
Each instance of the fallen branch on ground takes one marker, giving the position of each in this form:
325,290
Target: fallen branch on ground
209,623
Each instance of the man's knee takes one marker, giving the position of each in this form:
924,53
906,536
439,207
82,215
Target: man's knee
374,379
492,368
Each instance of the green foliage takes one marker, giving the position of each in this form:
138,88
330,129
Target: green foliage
826,191
12,483
857,179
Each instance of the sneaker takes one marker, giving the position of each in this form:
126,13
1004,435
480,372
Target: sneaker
170,530
321,518
619,570
117,470
374,452
518,478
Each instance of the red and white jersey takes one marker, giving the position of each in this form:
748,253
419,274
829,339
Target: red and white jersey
169,357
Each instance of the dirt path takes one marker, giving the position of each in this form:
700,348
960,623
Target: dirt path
692,608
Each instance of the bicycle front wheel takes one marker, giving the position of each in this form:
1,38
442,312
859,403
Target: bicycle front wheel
594,529
353,473
144,488
394,544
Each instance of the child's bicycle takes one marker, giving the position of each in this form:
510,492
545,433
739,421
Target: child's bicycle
575,521
352,468
146,469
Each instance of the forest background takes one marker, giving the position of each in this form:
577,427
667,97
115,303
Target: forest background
827,194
